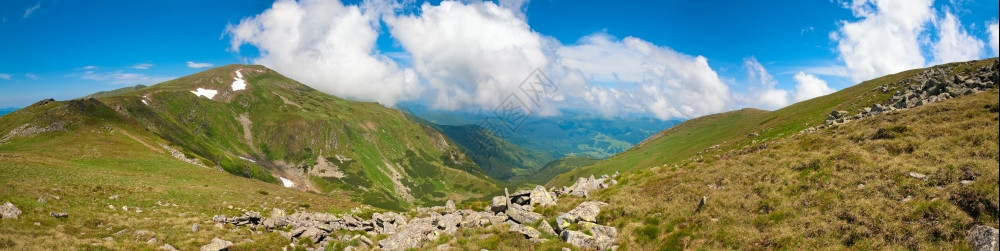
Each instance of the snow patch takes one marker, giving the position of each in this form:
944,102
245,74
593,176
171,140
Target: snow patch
208,93
286,182
144,102
238,82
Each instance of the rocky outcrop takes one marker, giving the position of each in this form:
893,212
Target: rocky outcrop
9,211
514,209
936,84
584,186
983,238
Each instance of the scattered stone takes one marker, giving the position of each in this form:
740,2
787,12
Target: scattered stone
38,224
983,238
113,197
194,228
217,245
545,228
167,247
112,207
499,204
527,231
9,211
520,215
542,197
919,176
59,215
41,200
450,205
701,203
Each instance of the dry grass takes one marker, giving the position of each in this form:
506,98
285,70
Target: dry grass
844,187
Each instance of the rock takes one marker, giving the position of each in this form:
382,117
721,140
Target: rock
277,213
313,233
59,214
604,236
167,247
194,228
217,245
410,235
540,196
701,203
9,211
983,238
545,228
450,205
527,231
499,204
919,176
587,211
113,197
443,247
41,200
365,241
578,239
520,215
449,222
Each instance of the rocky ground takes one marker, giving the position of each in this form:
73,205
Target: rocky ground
315,231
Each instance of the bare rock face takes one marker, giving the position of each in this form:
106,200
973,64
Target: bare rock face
983,238
217,245
9,211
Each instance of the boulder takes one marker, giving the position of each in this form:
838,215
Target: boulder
983,238
578,239
217,245
499,204
59,214
587,211
540,196
314,233
527,231
449,222
449,206
9,211
410,235
520,215
167,247
545,228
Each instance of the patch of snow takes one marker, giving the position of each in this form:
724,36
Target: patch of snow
238,82
241,157
286,182
208,93
144,102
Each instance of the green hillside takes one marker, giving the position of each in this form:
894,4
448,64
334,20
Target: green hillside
275,129
736,129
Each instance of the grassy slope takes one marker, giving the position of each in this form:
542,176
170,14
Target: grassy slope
843,187
730,130
287,139
76,171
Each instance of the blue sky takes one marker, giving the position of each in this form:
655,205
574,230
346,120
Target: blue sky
667,59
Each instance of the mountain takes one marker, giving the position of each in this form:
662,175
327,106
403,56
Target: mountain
519,155
253,122
7,110
114,92
906,161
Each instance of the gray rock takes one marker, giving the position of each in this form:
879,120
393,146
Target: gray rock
527,231
450,205
9,211
704,199
59,214
167,247
194,227
411,235
983,238
499,204
540,196
365,241
587,211
919,176
217,245
313,233
520,215
578,239
545,228
449,223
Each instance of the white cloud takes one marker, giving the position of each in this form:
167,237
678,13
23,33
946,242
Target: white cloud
954,43
4,76
31,76
761,92
119,77
196,65
469,54
886,39
142,66
809,86
650,78
328,46
994,31
31,10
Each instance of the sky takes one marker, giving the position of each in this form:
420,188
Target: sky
663,59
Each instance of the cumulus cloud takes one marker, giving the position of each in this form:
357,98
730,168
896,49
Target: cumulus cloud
994,32
4,76
886,39
472,53
762,92
196,65
31,10
328,46
954,43
809,86
142,66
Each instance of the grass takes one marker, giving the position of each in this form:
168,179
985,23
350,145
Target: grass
731,130
844,187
